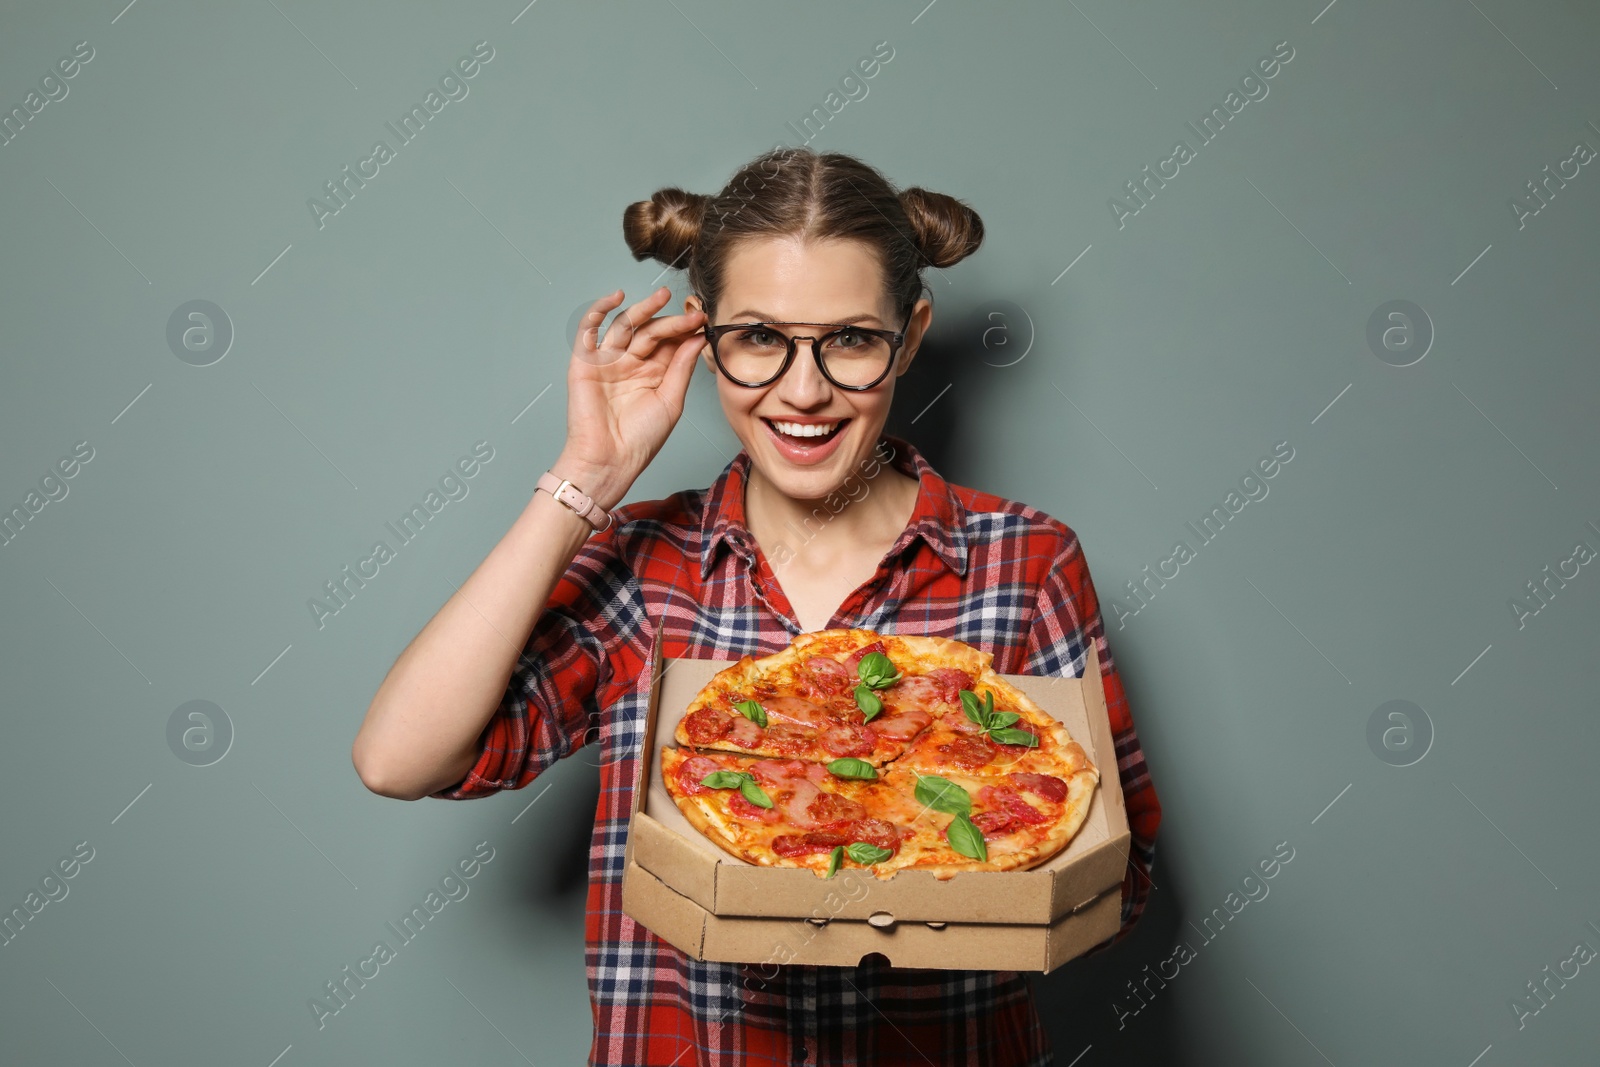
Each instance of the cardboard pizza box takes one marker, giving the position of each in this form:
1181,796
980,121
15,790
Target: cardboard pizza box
1055,904
825,941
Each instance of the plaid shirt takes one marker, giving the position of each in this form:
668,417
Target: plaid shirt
997,574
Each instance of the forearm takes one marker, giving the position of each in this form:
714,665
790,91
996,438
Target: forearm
421,730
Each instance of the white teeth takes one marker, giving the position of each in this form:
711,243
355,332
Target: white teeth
799,429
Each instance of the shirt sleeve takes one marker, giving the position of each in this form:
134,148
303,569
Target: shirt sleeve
1066,619
552,703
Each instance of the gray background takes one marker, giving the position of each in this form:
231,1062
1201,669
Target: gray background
370,354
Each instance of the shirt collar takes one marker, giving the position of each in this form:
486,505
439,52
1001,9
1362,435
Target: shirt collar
938,518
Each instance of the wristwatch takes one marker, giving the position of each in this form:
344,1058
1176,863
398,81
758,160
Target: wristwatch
574,498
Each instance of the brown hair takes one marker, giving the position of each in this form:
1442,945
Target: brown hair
795,191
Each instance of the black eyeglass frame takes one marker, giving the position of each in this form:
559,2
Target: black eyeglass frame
895,338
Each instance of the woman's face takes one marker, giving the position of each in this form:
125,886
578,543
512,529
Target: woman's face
790,280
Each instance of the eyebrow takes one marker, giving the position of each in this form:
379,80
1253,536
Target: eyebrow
762,316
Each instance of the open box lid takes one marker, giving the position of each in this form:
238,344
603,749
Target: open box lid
661,841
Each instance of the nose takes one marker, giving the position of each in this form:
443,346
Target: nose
803,385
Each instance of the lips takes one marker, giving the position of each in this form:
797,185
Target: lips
805,451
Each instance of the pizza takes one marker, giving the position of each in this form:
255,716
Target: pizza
851,748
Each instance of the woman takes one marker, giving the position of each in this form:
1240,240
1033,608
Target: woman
820,521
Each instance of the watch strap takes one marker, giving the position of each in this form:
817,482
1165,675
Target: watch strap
575,499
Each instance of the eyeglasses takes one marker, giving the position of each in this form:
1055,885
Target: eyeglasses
851,357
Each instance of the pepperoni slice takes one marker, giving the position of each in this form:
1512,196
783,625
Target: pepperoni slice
878,832
744,733
831,811
901,724
951,680
793,709
853,660
1021,810
848,739
994,823
1005,810
777,772
914,691
1007,799
787,738
706,725
825,676
746,810
1047,786
795,801
807,844
692,770
968,752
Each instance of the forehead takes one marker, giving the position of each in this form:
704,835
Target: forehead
795,280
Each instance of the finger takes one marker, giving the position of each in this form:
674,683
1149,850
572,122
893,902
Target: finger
681,368
628,321
589,325
656,332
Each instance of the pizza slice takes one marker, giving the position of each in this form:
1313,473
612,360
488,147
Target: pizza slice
986,725
993,821
794,813
830,694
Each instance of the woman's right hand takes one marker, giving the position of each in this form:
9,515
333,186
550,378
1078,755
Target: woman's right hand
624,394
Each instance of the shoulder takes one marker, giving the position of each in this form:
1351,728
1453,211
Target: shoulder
1014,529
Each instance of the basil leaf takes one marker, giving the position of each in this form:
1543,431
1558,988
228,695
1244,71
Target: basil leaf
969,704
988,707
833,860
874,663
1004,718
1008,736
850,767
941,794
724,779
868,702
878,670
753,711
754,793
866,853
966,838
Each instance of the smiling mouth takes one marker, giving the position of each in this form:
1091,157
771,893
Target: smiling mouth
806,435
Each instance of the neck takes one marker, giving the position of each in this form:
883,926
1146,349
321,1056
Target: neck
859,511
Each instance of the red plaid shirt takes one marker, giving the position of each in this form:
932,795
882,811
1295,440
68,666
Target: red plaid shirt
997,574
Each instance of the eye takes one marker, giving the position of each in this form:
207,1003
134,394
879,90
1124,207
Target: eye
851,337
760,337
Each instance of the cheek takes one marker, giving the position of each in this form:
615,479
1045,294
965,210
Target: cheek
737,407
875,404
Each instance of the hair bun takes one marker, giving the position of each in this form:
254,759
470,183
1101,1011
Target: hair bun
665,227
947,230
